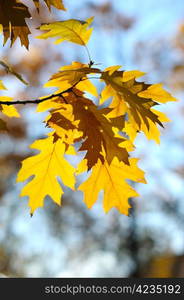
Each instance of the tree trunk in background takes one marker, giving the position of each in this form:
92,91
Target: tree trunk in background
133,243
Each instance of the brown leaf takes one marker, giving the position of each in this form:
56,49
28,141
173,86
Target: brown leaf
97,131
12,18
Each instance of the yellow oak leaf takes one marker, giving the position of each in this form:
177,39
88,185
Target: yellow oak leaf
87,86
128,75
62,121
75,31
112,180
8,110
157,93
112,69
118,106
56,3
127,92
131,128
49,104
135,99
74,75
154,133
47,167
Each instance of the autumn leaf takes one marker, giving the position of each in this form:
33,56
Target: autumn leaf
7,110
126,93
64,125
69,76
153,133
76,118
75,31
136,99
46,167
157,93
105,135
12,19
112,180
128,96
97,130
142,117
98,133
56,3
74,75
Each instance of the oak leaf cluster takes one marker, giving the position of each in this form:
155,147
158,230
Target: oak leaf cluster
102,131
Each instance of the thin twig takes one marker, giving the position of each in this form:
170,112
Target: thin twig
37,101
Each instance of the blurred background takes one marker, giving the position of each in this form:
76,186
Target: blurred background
72,241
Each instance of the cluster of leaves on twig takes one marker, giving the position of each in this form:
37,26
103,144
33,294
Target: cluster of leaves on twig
106,135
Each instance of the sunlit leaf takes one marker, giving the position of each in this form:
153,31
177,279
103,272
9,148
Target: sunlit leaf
8,110
72,30
56,3
47,167
112,180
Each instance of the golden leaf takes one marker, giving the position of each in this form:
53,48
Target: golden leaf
101,133
134,98
8,110
46,167
74,75
112,180
72,30
56,3
157,93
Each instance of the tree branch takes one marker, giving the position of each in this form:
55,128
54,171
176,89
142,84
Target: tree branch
37,101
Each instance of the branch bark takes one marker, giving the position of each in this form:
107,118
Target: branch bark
37,101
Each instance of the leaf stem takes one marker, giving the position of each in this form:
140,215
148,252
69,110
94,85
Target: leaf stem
89,56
